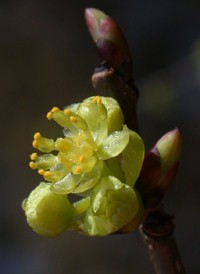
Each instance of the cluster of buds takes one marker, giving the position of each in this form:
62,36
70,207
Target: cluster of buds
98,160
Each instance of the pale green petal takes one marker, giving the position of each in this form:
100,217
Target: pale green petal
96,117
60,118
67,184
114,166
84,186
114,144
115,115
81,206
90,179
132,158
97,226
88,164
93,113
55,173
45,161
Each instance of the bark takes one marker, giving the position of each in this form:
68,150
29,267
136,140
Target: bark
157,231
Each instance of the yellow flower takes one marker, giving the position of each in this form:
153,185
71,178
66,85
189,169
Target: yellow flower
93,132
99,159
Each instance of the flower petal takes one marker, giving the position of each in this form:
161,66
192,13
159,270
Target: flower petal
115,115
67,184
114,144
90,179
95,114
132,158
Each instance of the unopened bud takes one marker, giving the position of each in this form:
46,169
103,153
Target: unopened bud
160,167
110,41
48,213
169,148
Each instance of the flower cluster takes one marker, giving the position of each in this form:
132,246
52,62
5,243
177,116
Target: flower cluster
89,173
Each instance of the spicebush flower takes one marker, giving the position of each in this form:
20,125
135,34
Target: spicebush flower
98,158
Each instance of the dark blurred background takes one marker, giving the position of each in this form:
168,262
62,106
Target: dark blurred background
46,59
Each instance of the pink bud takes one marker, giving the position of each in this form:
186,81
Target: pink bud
110,41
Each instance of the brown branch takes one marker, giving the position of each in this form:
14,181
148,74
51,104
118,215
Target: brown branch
157,233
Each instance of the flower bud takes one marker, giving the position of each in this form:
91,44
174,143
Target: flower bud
169,148
160,167
110,41
48,213
112,206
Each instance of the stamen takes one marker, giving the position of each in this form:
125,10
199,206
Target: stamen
67,111
94,99
49,115
33,165
33,156
55,109
81,158
37,135
41,171
35,143
77,170
73,119
47,173
97,100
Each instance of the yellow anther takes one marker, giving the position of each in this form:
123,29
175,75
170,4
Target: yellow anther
81,158
33,156
55,109
47,173
37,135
41,171
94,99
73,119
33,165
67,111
49,115
97,100
35,143
77,170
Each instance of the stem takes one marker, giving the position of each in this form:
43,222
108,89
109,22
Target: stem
157,233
